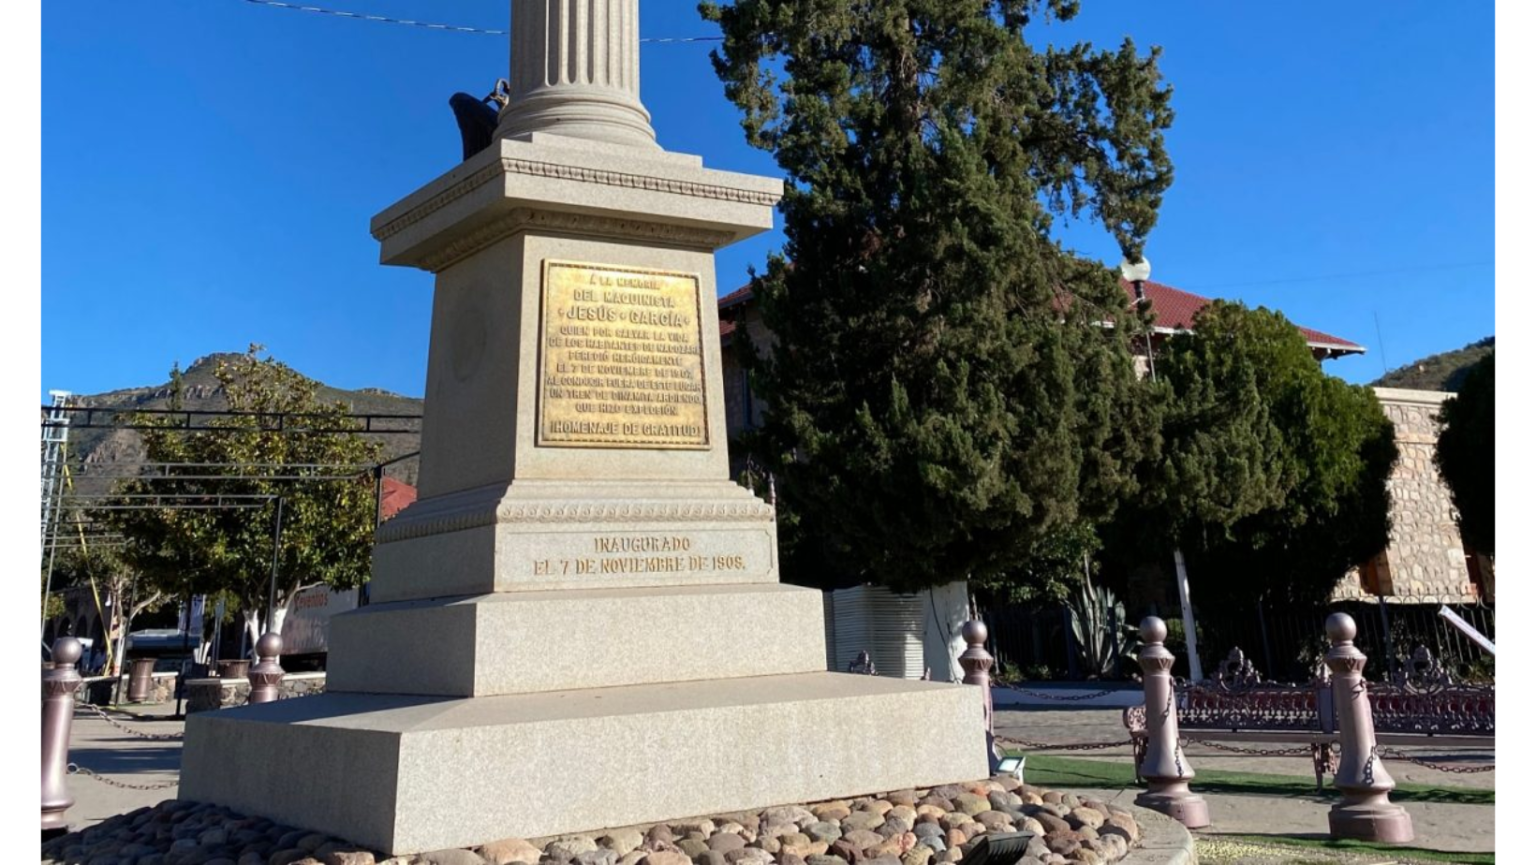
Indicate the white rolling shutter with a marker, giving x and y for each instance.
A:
(887, 625)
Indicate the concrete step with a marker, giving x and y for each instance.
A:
(408, 774)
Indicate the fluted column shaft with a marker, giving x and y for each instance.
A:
(576, 72)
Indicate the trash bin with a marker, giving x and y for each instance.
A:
(140, 683)
(234, 669)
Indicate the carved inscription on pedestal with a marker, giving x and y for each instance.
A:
(621, 359)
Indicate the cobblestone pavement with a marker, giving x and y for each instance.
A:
(102, 748)
(1437, 825)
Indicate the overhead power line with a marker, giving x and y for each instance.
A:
(1326, 277)
(447, 28)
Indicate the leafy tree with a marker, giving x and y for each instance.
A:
(949, 393)
(1464, 454)
(235, 471)
(1273, 474)
(114, 588)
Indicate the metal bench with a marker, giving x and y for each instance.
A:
(1422, 703)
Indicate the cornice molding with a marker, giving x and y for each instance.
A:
(556, 171)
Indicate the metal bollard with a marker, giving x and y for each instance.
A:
(1167, 771)
(140, 679)
(976, 661)
(59, 686)
(266, 677)
(1365, 813)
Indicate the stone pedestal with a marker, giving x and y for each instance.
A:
(401, 774)
(579, 624)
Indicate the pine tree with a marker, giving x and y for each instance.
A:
(1464, 455)
(949, 392)
(1273, 475)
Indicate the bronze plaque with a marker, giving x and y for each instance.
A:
(621, 359)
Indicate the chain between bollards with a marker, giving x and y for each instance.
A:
(77, 769)
(1057, 698)
(154, 737)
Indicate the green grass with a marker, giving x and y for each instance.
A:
(1407, 854)
(1050, 771)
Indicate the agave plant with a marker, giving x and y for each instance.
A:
(1104, 640)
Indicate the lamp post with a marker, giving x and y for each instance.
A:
(1137, 275)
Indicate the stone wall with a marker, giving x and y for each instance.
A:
(206, 695)
(1424, 560)
(101, 690)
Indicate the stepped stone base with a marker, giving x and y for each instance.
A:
(528, 642)
(410, 774)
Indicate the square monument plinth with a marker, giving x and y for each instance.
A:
(579, 623)
(403, 774)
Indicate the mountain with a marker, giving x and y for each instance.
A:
(1443, 371)
(98, 455)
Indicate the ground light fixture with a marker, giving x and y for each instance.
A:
(1012, 766)
(1004, 848)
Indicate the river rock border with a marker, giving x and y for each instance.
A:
(905, 827)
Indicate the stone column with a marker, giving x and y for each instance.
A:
(1167, 772)
(576, 72)
(1365, 812)
(59, 686)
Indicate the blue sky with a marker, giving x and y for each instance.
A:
(210, 167)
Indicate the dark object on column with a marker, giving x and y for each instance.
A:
(266, 677)
(862, 664)
(478, 118)
(1365, 814)
(59, 685)
(1167, 771)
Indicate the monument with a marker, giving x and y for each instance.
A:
(580, 623)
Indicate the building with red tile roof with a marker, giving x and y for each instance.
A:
(394, 496)
(1174, 310)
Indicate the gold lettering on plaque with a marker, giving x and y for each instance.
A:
(621, 359)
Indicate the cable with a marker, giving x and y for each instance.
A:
(1329, 276)
(449, 28)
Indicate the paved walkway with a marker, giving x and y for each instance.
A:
(120, 756)
(106, 749)
(1438, 825)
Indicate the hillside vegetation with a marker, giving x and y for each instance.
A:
(1444, 371)
(96, 456)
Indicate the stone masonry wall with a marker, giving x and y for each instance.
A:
(1424, 560)
(206, 695)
